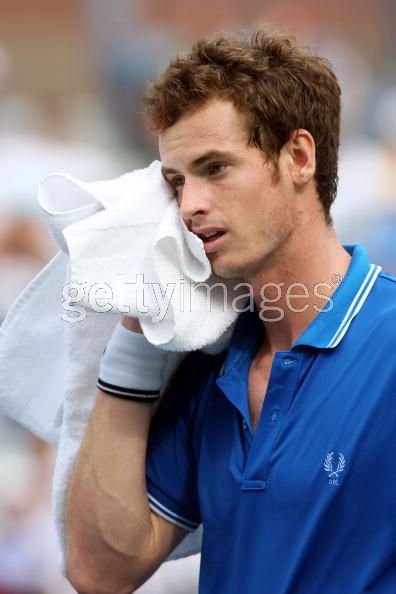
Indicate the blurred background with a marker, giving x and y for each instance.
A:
(71, 79)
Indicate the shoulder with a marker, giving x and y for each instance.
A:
(197, 368)
(192, 381)
(380, 313)
(388, 280)
(383, 294)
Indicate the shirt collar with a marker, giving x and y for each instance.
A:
(331, 324)
(325, 331)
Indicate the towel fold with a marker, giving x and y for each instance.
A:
(124, 249)
(139, 251)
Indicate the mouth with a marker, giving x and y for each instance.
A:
(209, 238)
(212, 239)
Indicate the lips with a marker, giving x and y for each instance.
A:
(212, 238)
(208, 234)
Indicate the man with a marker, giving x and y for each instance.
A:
(281, 446)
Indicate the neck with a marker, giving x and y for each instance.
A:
(311, 265)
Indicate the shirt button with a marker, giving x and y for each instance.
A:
(274, 416)
(288, 361)
(244, 424)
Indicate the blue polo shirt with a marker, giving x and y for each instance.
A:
(306, 504)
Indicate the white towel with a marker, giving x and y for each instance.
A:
(141, 232)
(112, 230)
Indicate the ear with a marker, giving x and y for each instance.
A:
(301, 156)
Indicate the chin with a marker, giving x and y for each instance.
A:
(227, 271)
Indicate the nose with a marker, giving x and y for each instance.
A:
(193, 200)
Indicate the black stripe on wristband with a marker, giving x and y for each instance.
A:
(128, 393)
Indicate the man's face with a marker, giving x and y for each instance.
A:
(225, 186)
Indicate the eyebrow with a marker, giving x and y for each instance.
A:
(209, 156)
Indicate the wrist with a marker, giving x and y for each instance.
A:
(131, 367)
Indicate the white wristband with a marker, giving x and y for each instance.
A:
(131, 367)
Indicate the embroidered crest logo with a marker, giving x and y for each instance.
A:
(329, 468)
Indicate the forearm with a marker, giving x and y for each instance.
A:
(107, 515)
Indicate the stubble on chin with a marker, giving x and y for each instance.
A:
(227, 272)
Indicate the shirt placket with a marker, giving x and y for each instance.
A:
(279, 395)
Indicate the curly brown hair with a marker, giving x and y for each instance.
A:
(278, 85)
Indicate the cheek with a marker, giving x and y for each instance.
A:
(257, 204)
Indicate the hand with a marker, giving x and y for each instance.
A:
(132, 324)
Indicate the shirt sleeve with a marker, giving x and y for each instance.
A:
(171, 465)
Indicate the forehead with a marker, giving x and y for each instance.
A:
(215, 126)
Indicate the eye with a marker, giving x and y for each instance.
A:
(217, 168)
(177, 181)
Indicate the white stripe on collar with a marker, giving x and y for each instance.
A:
(356, 304)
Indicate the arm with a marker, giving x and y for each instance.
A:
(114, 541)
